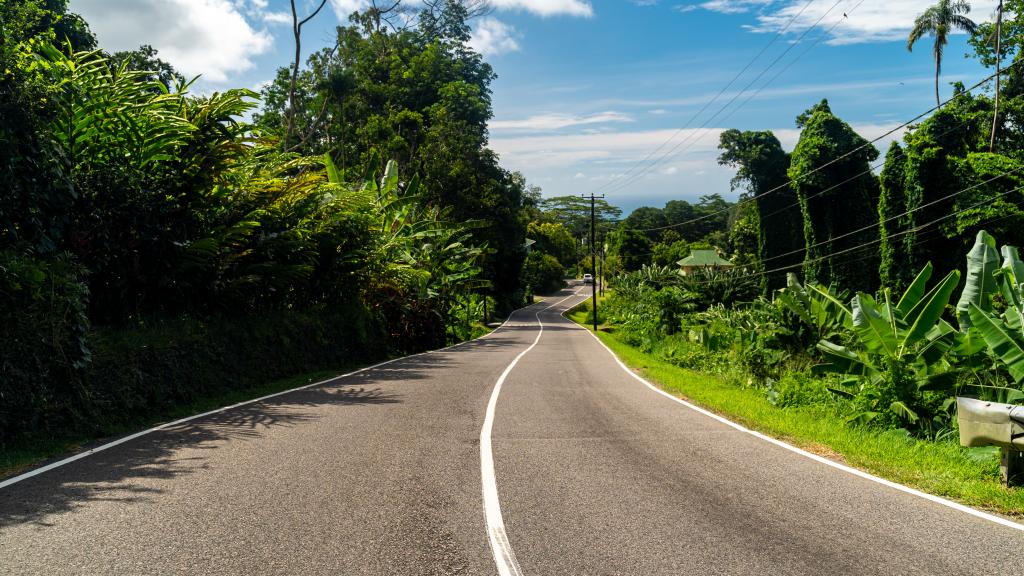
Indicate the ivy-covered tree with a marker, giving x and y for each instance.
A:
(761, 166)
(896, 269)
(838, 195)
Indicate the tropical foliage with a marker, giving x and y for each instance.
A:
(156, 246)
(882, 360)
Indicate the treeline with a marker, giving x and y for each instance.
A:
(664, 236)
(156, 247)
(837, 212)
(869, 289)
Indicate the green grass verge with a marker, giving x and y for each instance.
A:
(28, 452)
(941, 468)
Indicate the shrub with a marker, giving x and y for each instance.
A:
(543, 273)
(43, 338)
(796, 389)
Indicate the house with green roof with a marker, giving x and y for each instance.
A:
(703, 260)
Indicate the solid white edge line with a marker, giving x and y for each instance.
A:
(119, 441)
(820, 459)
(501, 548)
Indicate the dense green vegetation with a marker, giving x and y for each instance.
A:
(943, 468)
(867, 300)
(156, 248)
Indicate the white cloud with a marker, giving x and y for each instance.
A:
(208, 37)
(539, 7)
(623, 150)
(870, 21)
(343, 8)
(731, 6)
(277, 17)
(818, 90)
(570, 150)
(547, 7)
(556, 121)
(492, 36)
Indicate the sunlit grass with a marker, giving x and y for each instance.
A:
(940, 468)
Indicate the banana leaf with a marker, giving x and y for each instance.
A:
(930, 309)
(916, 291)
(332, 171)
(1004, 343)
(982, 261)
(875, 332)
(827, 304)
(1012, 263)
(842, 360)
(967, 343)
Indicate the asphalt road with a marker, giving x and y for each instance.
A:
(381, 473)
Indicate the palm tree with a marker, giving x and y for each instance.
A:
(940, 20)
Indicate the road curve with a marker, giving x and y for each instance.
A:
(380, 473)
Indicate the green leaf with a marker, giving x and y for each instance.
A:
(915, 291)
(903, 410)
(967, 343)
(1013, 264)
(842, 360)
(931, 309)
(794, 306)
(874, 331)
(389, 183)
(1004, 344)
(332, 171)
(982, 260)
(823, 298)
(839, 392)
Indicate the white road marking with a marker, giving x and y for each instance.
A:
(859, 473)
(504, 557)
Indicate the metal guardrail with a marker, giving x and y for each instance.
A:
(993, 424)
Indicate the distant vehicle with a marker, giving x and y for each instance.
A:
(588, 279)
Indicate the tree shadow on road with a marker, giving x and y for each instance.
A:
(124, 473)
(131, 472)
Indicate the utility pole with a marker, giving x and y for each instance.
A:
(593, 252)
(999, 37)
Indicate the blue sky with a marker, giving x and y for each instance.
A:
(589, 89)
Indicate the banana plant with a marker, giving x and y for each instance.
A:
(899, 352)
(982, 261)
(821, 308)
(1002, 333)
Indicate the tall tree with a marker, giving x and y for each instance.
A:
(940, 21)
(836, 198)
(761, 166)
(421, 97)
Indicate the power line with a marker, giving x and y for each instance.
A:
(778, 35)
(891, 218)
(902, 153)
(825, 165)
(692, 138)
(877, 240)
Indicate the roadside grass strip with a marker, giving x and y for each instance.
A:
(942, 469)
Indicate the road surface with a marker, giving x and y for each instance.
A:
(425, 466)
